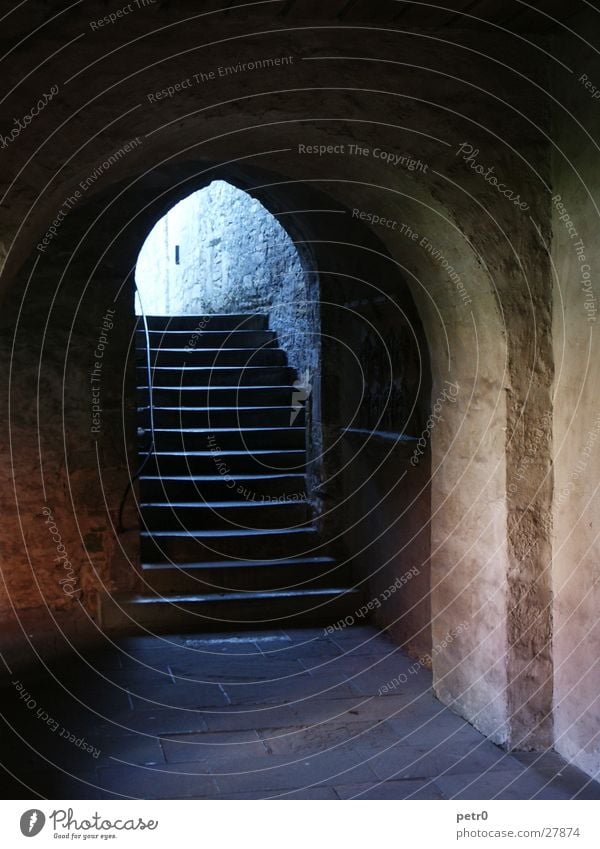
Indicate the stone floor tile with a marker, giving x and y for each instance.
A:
(310, 793)
(250, 716)
(303, 636)
(364, 639)
(299, 690)
(183, 694)
(310, 712)
(155, 722)
(241, 645)
(129, 749)
(220, 750)
(311, 650)
(140, 677)
(277, 773)
(401, 762)
(168, 781)
(335, 735)
(428, 723)
(150, 643)
(385, 665)
(499, 784)
(389, 790)
(227, 669)
(550, 764)
(149, 661)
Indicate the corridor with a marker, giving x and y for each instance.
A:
(294, 714)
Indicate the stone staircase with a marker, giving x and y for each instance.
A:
(228, 537)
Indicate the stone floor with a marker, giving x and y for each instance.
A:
(278, 715)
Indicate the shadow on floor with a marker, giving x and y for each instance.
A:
(278, 714)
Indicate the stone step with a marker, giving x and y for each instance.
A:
(218, 396)
(228, 576)
(226, 515)
(229, 439)
(222, 376)
(224, 463)
(239, 357)
(219, 417)
(186, 339)
(202, 323)
(195, 546)
(127, 612)
(227, 535)
(215, 487)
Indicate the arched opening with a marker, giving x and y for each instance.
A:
(218, 254)
(218, 251)
(228, 351)
(343, 263)
(375, 387)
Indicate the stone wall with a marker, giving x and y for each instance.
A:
(576, 259)
(233, 256)
(376, 395)
(71, 429)
(387, 538)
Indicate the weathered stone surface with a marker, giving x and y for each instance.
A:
(576, 460)
(219, 250)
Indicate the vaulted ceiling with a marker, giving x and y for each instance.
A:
(537, 16)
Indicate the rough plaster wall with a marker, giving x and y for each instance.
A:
(387, 539)
(469, 556)
(68, 479)
(376, 499)
(469, 545)
(576, 570)
(512, 378)
(233, 256)
(478, 449)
